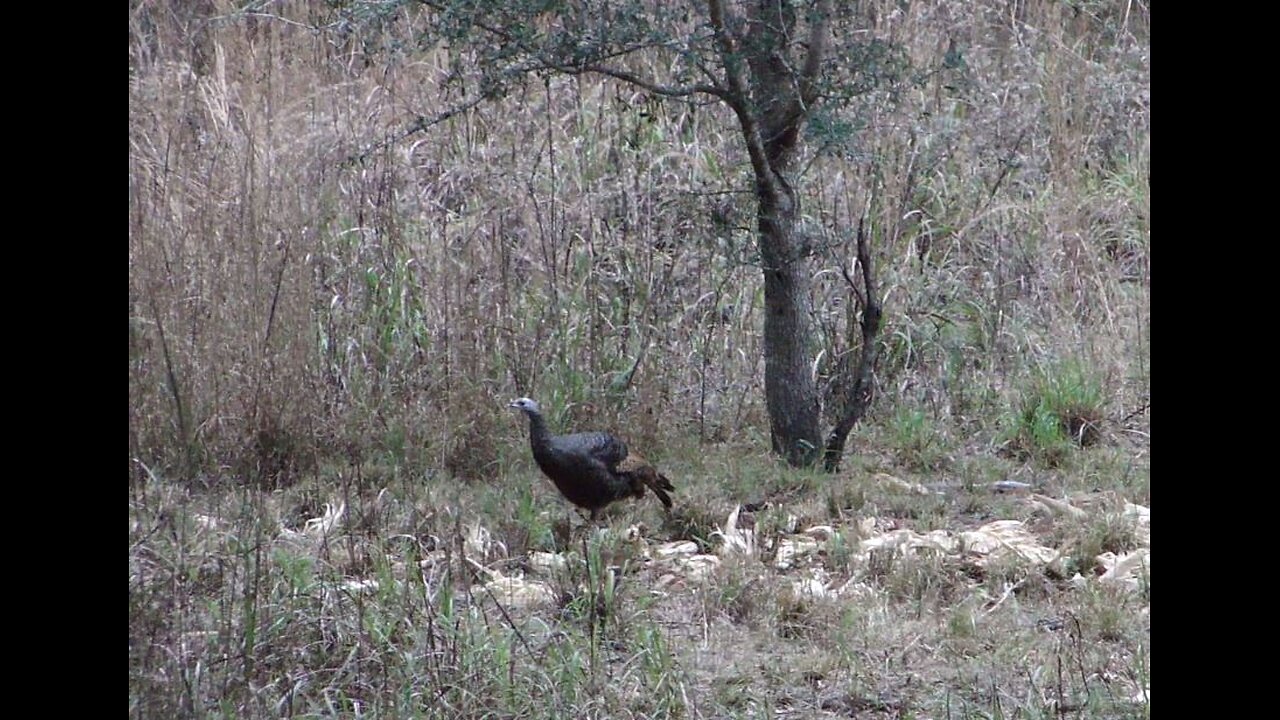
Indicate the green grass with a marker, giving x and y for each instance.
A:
(920, 446)
(1062, 408)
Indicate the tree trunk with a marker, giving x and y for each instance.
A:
(783, 92)
(791, 392)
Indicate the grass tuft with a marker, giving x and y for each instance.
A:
(1062, 408)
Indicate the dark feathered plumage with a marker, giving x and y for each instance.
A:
(592, 469)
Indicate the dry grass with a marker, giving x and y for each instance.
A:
(427, 600)
(320, 316)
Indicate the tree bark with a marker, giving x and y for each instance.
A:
(791, 392)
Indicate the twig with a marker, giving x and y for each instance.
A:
(1009, 589)
(507, 618)
(1146, 405)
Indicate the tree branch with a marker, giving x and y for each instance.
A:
(860, 395)
(737, 96)
(546, 62)
(653, 87)
(424, 122)
(819, 38)
(539, 60)
(420, 124)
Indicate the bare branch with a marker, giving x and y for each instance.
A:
(861, 393)
(819, 39)
(655, 88)
(707, 71)
(424, 122)
(853, 286)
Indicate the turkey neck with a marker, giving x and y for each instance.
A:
(539, 438)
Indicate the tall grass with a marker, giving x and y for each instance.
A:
(298, 285)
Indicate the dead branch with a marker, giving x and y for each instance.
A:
(860, 394)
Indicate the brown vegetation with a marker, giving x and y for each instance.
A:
(330, 306)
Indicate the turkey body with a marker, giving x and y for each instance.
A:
(593, 469)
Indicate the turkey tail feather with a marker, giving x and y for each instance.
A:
(660, 485)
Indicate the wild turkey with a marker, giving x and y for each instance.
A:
(592, 469)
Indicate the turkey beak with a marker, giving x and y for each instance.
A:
(513, 404)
